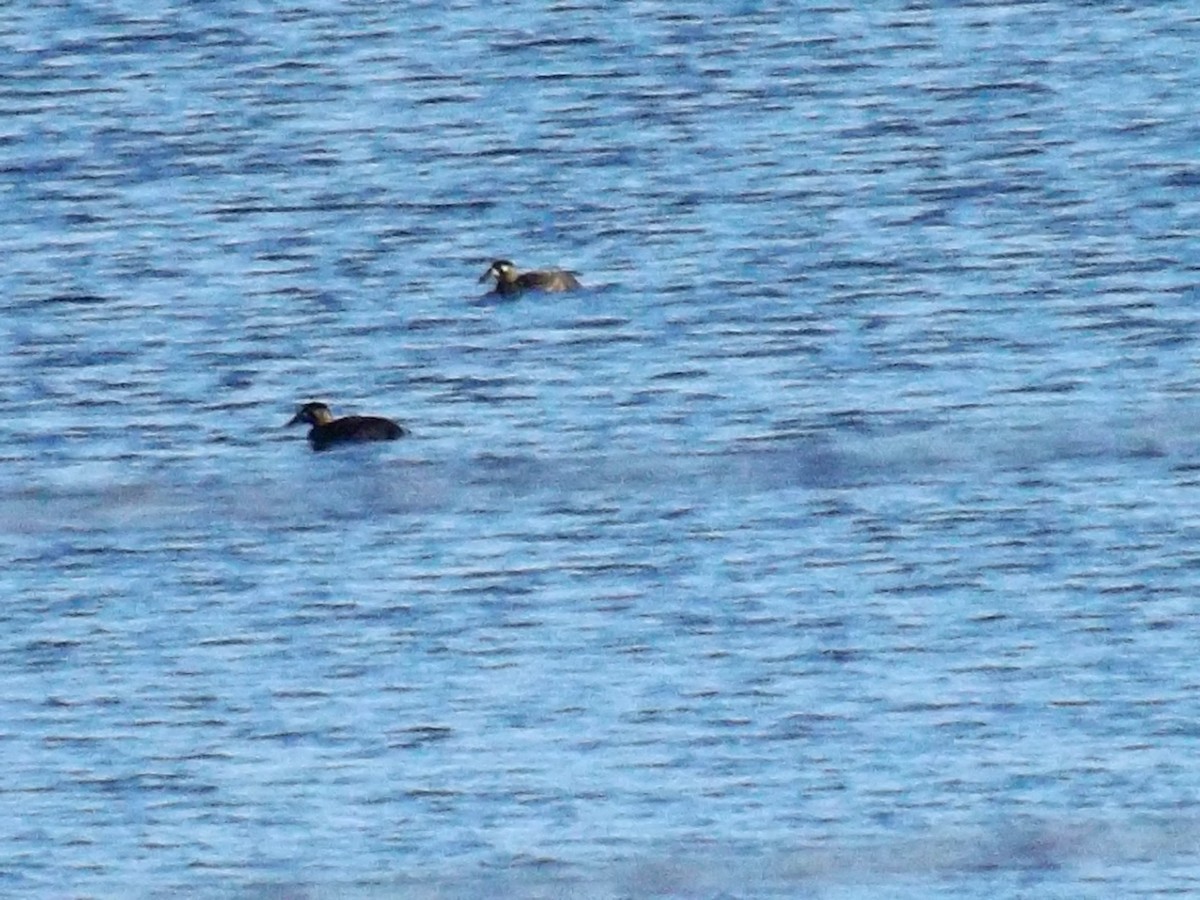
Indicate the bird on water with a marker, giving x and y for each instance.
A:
(327, 431)
(510, 282)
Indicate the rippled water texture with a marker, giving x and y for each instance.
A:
(836, 541)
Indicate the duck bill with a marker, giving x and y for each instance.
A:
(294, 420)
(490, 273)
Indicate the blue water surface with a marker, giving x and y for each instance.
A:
(837, 541)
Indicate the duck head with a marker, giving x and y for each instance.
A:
(502, 270)
(312, 414)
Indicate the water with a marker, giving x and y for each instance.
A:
(837, 541)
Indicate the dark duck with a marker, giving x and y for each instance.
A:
(328, 432)
(510, 282)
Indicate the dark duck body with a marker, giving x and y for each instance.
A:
(328, 432)
(509, 281)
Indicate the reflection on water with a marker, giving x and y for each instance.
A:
(835, 539)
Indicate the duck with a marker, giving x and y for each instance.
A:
(327, 431)
(510, 282)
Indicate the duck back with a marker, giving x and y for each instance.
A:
(549, 280)
(354, 429)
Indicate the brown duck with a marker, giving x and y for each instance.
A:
(327, 431)
(509, 281)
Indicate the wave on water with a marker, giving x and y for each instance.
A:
(1050, 853)
(357, 484)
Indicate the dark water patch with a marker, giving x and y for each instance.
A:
(1184, 178)
(80, 298)
(419, 736)
(894, 440)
